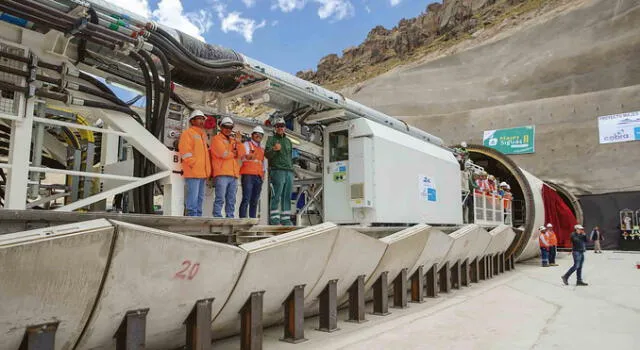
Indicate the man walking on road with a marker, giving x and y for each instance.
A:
(596, 237)
(552, 239)
(196, 165)
(579, 241)
(279, 153)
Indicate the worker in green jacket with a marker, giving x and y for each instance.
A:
(279, 153)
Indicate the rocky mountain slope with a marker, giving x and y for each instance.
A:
(441, 26)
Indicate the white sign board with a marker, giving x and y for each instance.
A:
(619, 127)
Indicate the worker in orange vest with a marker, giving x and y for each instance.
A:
(252, 172)
(544, 246)
(196, 165)
(553, 244)
(226, 169)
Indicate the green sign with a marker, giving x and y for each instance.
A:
(511, 141)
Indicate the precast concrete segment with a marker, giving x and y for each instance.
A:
(52, 274)
(403, 250)
(165, 272)
(353, 254)
(463, 240)
(276, 265)
(435, 250)
(498, 240)
(531, 248)
(479, 244)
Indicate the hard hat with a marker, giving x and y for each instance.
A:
(503, 184)
(226, 121)
(541, 228)
(196, 113)
(258, 129)
(463, 144)
(508, 187)
(549, 225)
(279, 121)
(578, 227)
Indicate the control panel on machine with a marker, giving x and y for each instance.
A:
(173, 125)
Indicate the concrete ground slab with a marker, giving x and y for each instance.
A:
(529, 308)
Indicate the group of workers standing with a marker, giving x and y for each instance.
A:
(229, 159)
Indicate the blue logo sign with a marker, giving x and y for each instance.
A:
(637, 132)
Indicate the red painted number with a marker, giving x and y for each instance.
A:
(189, 270)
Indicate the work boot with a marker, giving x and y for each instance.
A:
(565, 280)
(554, 264)
(581, 283)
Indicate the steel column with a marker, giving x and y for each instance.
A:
(496, 264)
(19, 146)
(482, 262)
(199, 326)
(464, 270)
(356, 301)
(474, 272)
(432, 281)
(131, 334)
(251, 323)
(40, 337)
(400, 290)
(417, 285)
(501, 262)
(444, 278)
(328, 317)
(456, 275)
(294, 316)
(381, 295)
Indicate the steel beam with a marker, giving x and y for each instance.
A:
(251, 322)
(294, 316)
(328, 317)
(131, 334)
(199, 326)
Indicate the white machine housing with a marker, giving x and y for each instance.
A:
(378, 175)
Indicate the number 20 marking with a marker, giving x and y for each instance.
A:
(189, 270)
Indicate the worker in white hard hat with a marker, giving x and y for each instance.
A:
(553, 244)
(279, 152)
(252, 172)
(196, 164)
(579, 246)
(544, 246)
(226, 168)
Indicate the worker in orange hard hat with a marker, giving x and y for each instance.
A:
(196, 165)
(252, 172)
(226, 169)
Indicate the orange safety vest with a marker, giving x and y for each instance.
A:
(194, 153)
(543, 240)
(224, 156)
(552, 239)
(253, 166)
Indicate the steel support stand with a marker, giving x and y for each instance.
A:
(496, 264)
(474, 271)
(464, 270)
(400, 290)
(502, 262)
(512, 262)
(456, 275)
(356, 301)
(199, 326)
(40, 337)
(251, 323)
(294, 316)
(482, 268)
(381, 295)
(131, 334)
(417, 285)
(329, 308)
(432, 281)
(444, 278)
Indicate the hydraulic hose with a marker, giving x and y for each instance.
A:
(155, 80)
(166, 70)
